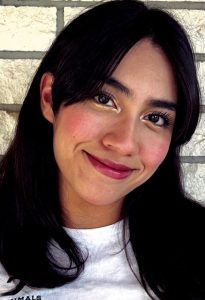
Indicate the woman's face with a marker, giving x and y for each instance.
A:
(109, 145)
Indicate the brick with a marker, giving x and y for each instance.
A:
(194, 181)
(71, 12)
(196, 147)
(201, 77)
(27, 28)
(15, 76)
(174, 0)
(88, 0)
(146, 0)
(194, 23)
(83, 0)
(7, 127)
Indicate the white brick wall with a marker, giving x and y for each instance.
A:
(201, 76)
(71, 12)
(7, 125)
(27, 30)
(194, 23)
(196, 147)
(194, 180)
(15, 75)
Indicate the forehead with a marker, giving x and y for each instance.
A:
(146, 68)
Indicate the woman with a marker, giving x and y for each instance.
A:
(91, 200)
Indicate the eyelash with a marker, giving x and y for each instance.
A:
(163, 115)
(107, 97)
(167, 121)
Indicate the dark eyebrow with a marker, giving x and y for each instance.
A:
(158, 103)
(119, 86)
(163, 104)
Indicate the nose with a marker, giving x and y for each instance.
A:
(123, 138)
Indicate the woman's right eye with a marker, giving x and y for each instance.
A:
(105, 99)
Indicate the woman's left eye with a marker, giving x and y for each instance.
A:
(105, 99)
(158, 118)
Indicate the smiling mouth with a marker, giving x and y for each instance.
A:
(109, 168)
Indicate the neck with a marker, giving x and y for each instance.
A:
(90, 216)
(78, 213)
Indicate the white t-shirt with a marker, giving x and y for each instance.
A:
(106, 276)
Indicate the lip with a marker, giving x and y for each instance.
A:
(110, 168)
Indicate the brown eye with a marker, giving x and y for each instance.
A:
(160, 119)
(105, 99)
(155, 119)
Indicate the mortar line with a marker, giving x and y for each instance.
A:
(59, 20)
(196, 5)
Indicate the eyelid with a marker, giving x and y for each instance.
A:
(168, 118)
(111, 98)
(104, 92)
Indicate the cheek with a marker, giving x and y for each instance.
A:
(77, 124)
(155, 154)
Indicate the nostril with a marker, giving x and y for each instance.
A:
(124, 144)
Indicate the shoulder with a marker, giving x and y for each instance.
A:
(5, 285)
(26, 293)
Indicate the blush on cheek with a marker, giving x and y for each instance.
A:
(157, 154)
(78, 123)
(82, 123)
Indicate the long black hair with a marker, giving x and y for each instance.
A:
(164, 225)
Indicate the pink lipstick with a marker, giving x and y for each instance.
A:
(109, 168)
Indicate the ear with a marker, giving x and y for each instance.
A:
(46, 96)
